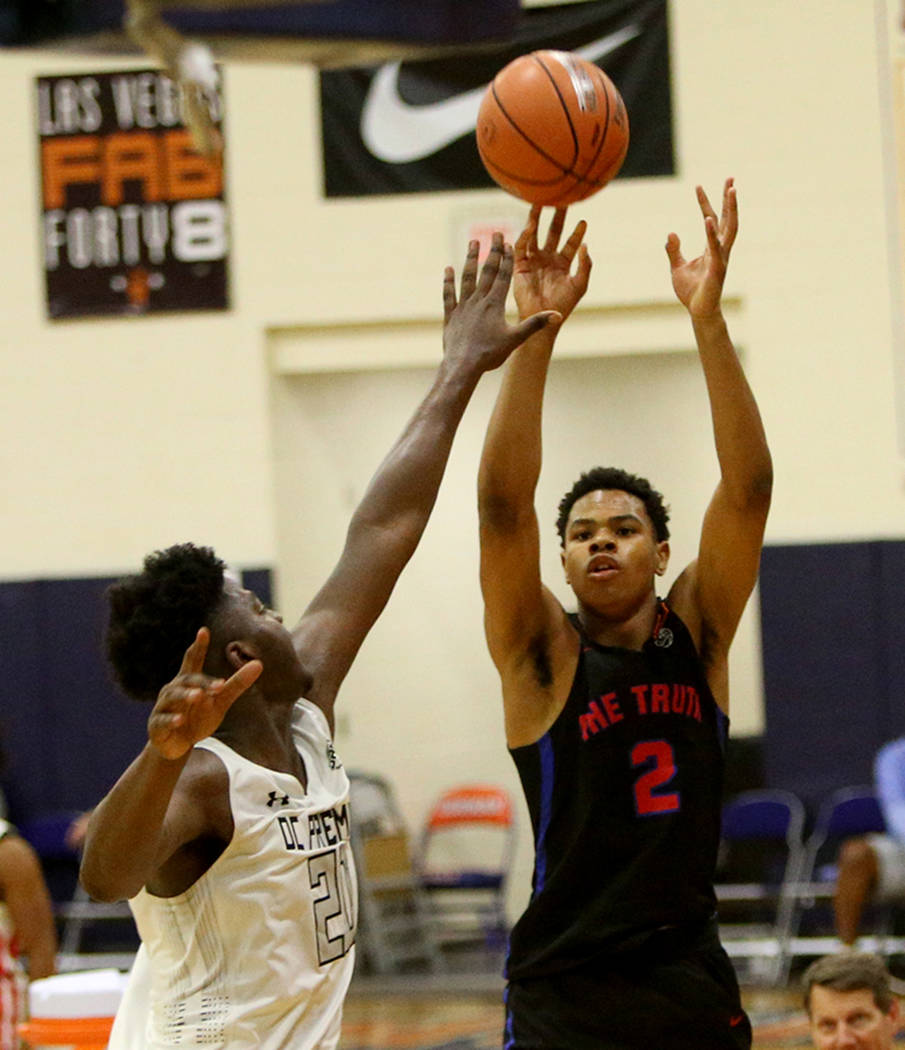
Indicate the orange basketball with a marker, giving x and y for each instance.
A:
(552, 128)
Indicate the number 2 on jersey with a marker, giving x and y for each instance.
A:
(334, 907)
(657, 757)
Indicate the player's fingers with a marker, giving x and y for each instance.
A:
(523, 241)
(165, 721)
(728, 191)
(555, 230)
(583, 272)
(673, 250)
(520, 332)
(187, 689)
(704, 202)
(193, 659)
(491, 264)
(470, 270)
(529, 234)
(713, 239)
(449, 292)
(574, 242)
(503, 275)
(235, 686)
(729, 217)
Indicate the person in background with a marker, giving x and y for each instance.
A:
(872, 867)
(28, 939)
(849, 1003)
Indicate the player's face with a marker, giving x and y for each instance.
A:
(261, 632)
(850, 1020)
(611, 553)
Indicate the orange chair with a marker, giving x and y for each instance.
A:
(87, 1033)
(464, 860)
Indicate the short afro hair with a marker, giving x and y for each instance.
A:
(155, 616)
(601, 478)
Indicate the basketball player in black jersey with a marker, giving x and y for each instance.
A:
(616, 716)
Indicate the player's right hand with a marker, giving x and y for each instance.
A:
(474, 324)
(543, 278)
(192, 705)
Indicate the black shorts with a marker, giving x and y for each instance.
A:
(679, 993)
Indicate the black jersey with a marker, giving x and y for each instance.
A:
(624, 792)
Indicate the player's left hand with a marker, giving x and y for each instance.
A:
(698, 283)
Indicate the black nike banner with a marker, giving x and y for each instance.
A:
(410, 127)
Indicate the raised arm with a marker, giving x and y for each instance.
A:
(711, 594)
(524, 624)
(160, 803)
(389, 521)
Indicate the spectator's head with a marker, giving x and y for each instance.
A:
(849, 1003)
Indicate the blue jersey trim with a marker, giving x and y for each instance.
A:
(547, 771)
(508, 1035)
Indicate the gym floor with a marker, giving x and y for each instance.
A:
(386, 1017)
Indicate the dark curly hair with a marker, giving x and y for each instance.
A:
(614, 478)
(155, 615)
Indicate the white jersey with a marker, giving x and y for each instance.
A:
(258, 953)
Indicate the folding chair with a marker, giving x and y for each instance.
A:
(761, 859)
(394, 930)
(848, 812)
(464, 861)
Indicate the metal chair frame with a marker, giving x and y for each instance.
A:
(768, 816)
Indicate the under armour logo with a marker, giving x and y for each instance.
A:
(272, 799)
(664, 638)
(331, 755)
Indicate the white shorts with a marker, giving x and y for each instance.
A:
(890, 867)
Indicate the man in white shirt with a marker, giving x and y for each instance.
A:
(872, 867)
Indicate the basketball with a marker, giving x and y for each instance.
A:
(552, 128)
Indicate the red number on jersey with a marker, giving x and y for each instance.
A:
(658, 756)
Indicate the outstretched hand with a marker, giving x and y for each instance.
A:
(543, 275)
(474, 324)
(698, 283)
(192, 706)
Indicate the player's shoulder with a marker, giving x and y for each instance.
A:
(203, 787)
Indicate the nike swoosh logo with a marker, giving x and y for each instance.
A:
(398, 133)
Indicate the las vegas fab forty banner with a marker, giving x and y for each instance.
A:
(408, 127)
(134, 219)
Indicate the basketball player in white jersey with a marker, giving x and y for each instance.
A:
(229, 833)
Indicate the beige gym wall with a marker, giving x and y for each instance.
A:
(121, 436)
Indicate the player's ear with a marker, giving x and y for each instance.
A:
(239, 652)
(562, 558)
(662, 559)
